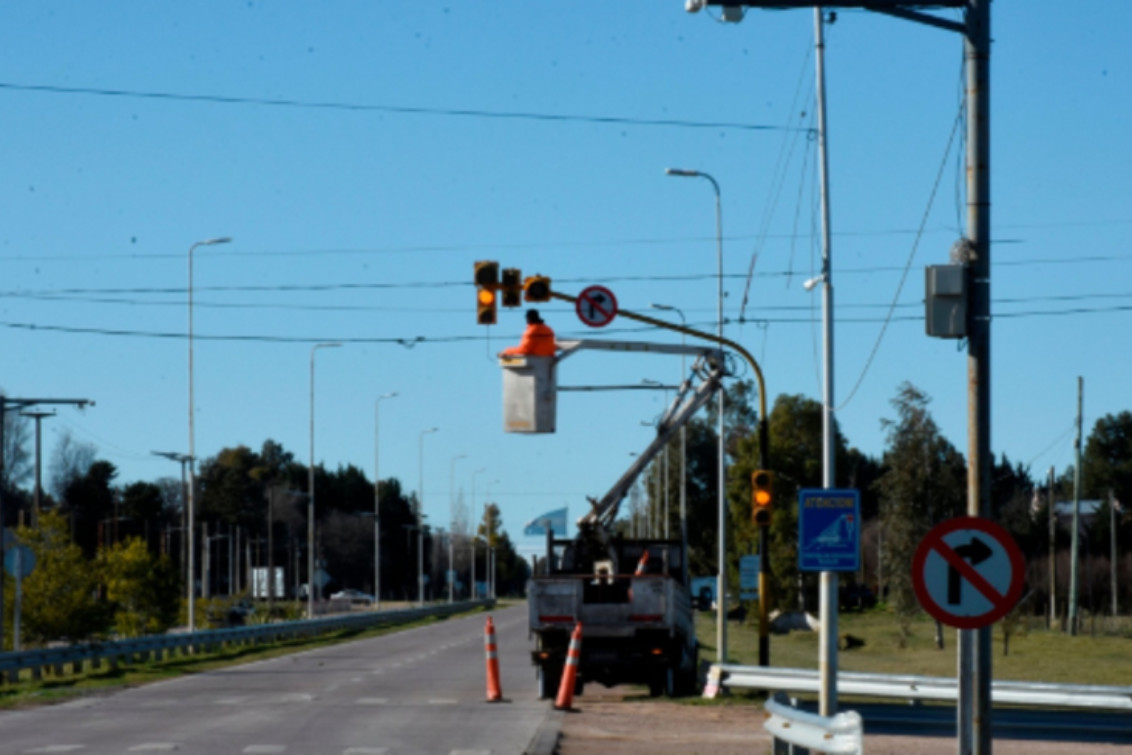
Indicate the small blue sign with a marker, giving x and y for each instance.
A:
(829, 530)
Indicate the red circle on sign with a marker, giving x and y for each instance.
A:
(1001, 603)
(596, 306)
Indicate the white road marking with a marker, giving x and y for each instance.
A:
(264, 749)
(470, 752)
(442, 701)
(365, 751)
(371, 701)
(53, 748)
(154, 747)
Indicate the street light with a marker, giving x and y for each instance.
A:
(472, 589)
(310, 489)
(489, 556)
(721, 615)
(376, 502)
(192, 439)
(452, 525)
(683, 440)
(420, 513)
(183, 459)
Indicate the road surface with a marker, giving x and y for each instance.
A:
(415, 691)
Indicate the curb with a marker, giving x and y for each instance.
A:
(545, 740)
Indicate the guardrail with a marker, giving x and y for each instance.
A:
(155, 647)
(909, 687)
(842, 733)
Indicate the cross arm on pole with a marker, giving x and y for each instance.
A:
(898, 8)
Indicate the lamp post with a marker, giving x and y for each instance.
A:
(472, 589)
(376, 502)
(192, 440)
(310, 489)
(420, 513)
(183, 459)
(452, 525)
(489, 575)
(721, 602)
(683, 440)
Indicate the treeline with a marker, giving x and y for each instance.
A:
(112, 558)
(919, 480)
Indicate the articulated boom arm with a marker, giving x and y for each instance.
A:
(708, 368)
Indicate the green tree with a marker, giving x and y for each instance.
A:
(1106, 462)
(143, 592)
(60, 596)
(924, 483)
(89, 500)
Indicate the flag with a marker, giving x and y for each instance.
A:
(555, 520)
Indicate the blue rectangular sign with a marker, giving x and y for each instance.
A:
(829, 530)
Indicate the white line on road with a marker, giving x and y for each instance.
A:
(154, 747)
(371, 701)
(53, 748)
(365, 751)
(264, 749)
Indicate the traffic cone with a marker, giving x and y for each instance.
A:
(494, 689)
(642, 564)
(570, 672)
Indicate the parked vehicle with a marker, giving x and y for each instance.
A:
(353, 596)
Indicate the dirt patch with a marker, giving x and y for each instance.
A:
(624, 720)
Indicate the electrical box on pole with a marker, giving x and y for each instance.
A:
(945, 301)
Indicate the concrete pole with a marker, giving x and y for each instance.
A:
(1052, 554)
(452, 526)
(827, 598)
(1074, 546)
(1112, 544)
(376, 501)
(311, 585)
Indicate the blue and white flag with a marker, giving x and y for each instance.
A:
(555, 520)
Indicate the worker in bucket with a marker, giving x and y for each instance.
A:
(537, 341)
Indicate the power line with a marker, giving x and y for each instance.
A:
(354, 107)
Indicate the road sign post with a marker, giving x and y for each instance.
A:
(829, 530)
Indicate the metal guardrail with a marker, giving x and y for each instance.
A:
(908, 687)
(154, 646)
(842, 733)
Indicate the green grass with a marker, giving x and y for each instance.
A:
(1100, 655)
(28, 692)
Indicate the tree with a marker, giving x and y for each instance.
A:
(924, 483)
(60, 596)
(143, 592)
(1106, 463)
(70, 460)
(90, 501)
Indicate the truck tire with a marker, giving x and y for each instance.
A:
(547, 684)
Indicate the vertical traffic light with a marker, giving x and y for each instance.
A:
(487, 282)
(512, 286)
(762, 496)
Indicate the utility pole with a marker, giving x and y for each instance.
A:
(1052, 554)
(8, 404)
(1112, 544)
(38, 417)
(1074, 545)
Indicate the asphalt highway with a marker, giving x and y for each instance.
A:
(413, 691)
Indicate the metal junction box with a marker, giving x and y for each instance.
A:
(530, 394)
(945, 300)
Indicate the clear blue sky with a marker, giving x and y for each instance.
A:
(364, 155)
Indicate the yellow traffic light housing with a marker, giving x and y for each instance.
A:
(487, 282)
(512, 286)
(536, 288)
(762, 496)
(485, 307)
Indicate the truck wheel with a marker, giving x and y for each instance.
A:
(671, 682)
(547, 684)
(657, 684)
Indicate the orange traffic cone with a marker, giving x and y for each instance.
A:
(494, 689)
(642, 564)
(570, 672)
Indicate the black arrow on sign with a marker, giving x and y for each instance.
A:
(976, 552)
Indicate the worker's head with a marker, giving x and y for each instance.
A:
(533, 317)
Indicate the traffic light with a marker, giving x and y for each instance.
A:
(487, 281)
(762, 496)
(536, 288)
(512, 286)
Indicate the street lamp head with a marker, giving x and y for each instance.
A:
(681, 172)
(812, 282)
(662, 307)
(217, 240)
(387, 395)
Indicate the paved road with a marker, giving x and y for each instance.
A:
(415, 691)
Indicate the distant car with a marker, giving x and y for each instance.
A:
(353, 596)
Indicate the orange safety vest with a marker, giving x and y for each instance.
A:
(537, 341)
